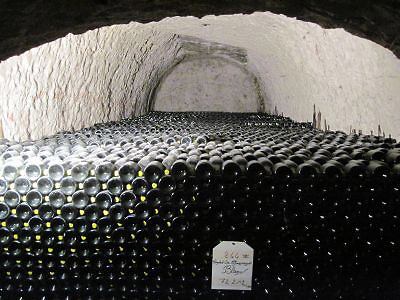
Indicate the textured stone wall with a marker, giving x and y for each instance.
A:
(207, 84)
(102, 75)
(74, 82)
(352, 81)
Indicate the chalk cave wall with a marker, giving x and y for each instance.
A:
(79, 80)
(110, 73)
(208, 84)
(353, 82)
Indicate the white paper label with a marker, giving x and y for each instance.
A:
(232, 266)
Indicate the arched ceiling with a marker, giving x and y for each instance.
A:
(25, 24)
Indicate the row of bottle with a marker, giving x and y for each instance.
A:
(230, 167)
(152, 196)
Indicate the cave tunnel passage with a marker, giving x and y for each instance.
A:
(208, 84)
(120, 71)
(101, 196)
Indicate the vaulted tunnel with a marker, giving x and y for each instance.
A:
(162, 204)
(282, 64)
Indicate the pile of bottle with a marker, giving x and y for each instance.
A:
(134, 208)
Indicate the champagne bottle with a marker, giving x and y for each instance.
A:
(115, 186)
(128, 171)
(135, 207)
(22, 185)
(24, 212)
(140, 186)
(57, 199)
(91, 186)
(68, 186)
(4, 211)
(45, 185)
(104, 200)
(153, 171)
(128, 199)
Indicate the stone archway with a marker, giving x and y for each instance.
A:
(207, 84)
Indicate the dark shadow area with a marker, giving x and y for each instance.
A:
(27, 24)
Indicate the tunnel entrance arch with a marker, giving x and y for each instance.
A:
(207, 84)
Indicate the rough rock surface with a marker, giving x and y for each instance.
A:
(113, 72)
(209, 76)
(105, 74)
(73, 82)
(207, 84)
(352, 81)
(25, 23)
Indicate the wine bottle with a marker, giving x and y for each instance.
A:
(128, 171)
(140, 186)
(115, 186)
(204, 171)
(12, 199)
(56, 172)
(129, 199)
(57, 199)
(24, 212)
(22, 185)
(68, 186)
(91, 186)
(80, 172)
(153, 171)
(104, 200)
(45, 185)
(4, 211)
(231, 171)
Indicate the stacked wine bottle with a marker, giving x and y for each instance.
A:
(132, 209)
